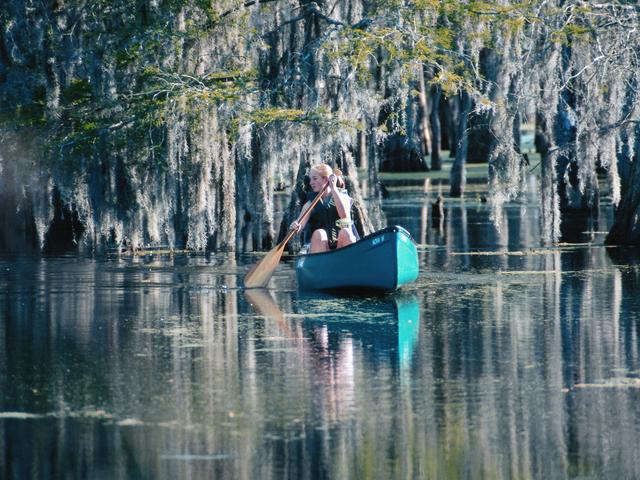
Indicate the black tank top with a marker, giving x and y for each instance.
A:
(324, 215)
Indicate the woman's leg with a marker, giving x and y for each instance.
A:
(345, 237)
(319, 241)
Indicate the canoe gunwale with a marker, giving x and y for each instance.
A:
(391, 229)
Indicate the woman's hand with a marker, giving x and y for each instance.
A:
(295, 226)
(340, 199)
(333, 179)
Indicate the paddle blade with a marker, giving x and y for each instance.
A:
(262, 302)
(260, 274)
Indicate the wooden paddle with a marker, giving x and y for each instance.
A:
(261, 272)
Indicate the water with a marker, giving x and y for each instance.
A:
(504, 360)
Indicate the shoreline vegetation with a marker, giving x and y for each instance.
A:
(431, 184)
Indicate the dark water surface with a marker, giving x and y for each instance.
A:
(504, 360)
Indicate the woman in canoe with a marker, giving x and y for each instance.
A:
(329, 223)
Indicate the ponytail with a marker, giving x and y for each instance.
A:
(339, 180)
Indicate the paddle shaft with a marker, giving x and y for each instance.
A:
(261, 272)
(304, 215)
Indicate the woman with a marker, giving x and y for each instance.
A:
(330, 221)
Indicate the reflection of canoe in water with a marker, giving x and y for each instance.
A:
(384, 324)
(383, 261)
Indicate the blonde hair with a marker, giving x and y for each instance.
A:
(325, 170)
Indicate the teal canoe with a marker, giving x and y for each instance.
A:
(382, 261)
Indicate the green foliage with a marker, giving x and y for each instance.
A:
(29, 115)
(152, 62)
(451, 83)
(26, 113)
(425, 35)
(265, 116)
(78, 92)
(208, 90)
(571, 33)
(357, 47)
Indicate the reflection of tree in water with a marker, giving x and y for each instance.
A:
(99, 353)
(513, 356)
(526, 372)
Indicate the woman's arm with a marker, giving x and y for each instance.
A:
(342, 201)
(296, 223)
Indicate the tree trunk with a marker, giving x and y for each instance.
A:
(425, 130)
(362, 159)
(436, 133)
(363, 217)
(451, 115)
(480, 136)
(550, 203)
(626, 227)
(255, 191)
(458, 170)
(401, 151)
(297, 200)
(18, 232)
